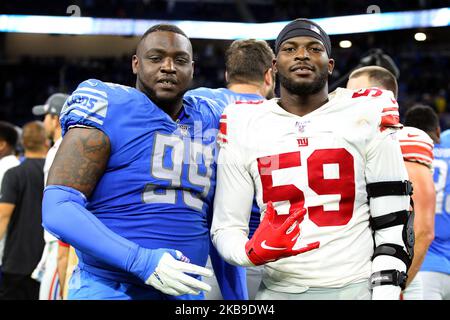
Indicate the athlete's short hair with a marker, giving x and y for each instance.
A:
(422, 117)
(161, 27)
(379, 76)
(8, 133)
(246, 61)
(164, 27)
(33, 136)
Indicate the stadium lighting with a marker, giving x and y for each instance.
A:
(345, 44)
(420, 36)
(222, 30)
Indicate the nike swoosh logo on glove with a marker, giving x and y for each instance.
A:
(265, 246)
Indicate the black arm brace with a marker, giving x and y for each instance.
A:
(404, 217)
(387, 277)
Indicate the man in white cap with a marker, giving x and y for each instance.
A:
(46, 271)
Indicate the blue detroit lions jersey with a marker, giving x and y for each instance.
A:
(224, 97)
(438, 255)
(158, 186)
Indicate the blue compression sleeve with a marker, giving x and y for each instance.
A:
(64, 207)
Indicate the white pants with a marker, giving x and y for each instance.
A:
(436, 285)
(254, 279)
(414, 291)
(354, 291)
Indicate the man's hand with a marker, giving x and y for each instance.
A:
(169, 275)
(270, 243)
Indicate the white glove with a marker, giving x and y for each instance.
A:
(169, 276)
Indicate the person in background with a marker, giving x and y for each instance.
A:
(46, 271)
(434, 272)
(8, 141)
(417, 150)
(21, 219)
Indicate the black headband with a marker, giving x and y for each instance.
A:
(303, 28)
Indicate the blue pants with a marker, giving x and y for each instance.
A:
(84, 285)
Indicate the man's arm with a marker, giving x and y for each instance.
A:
(8, 199)
(81, 160)
(6, 211)
(424, 198)
(389, 215)
(72, 262)
(232, 207)
(78, 165)
(62, 260)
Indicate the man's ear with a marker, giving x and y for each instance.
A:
(274, 65)
(55, 119)
(269, 77)
(330, 66)
(135, 63)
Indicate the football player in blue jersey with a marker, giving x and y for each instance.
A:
(435, 270)
(250, 79)
(133, 181)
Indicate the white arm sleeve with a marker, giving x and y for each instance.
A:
(232, 202)
(385, 163)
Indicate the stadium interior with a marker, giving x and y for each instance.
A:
(34, 65)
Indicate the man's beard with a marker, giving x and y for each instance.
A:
(162, 102)
(304, 89)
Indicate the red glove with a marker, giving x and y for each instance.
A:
(270, 243)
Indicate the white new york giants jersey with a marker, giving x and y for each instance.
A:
(417, 146)
(321, 161)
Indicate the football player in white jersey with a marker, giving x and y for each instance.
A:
(417, 150)
(324, 169)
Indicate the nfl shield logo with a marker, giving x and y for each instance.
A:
(184, 129)
(301, 125)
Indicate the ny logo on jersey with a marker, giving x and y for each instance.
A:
(302, 142)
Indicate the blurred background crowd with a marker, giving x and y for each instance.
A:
(33, 66)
